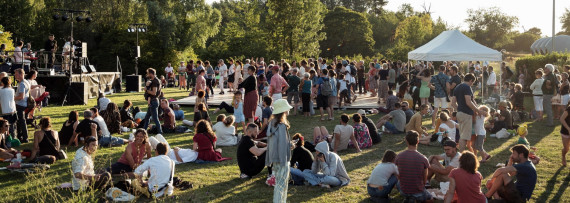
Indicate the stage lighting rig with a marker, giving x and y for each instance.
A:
(137, 27)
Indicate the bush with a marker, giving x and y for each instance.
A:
(530, 64)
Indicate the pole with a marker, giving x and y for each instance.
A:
(553, 20)
(137, 54)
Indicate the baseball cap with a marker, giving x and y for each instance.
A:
(450, 143)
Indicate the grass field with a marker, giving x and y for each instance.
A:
(220, 182)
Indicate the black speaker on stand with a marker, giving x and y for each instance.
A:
(78, 93)
(133, 83)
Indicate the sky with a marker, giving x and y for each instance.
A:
(531, 13)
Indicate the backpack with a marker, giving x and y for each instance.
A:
(352, 70)
(326, 88)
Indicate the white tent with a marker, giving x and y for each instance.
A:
(452, 45)
(544, 45)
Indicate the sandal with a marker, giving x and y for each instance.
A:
(486, 158)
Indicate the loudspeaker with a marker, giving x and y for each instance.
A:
(78, 94)
(79, 70)
(133, 83)
(91, 69)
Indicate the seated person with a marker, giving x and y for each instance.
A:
(46, 143)
(415, 123)
(127, 119)
(200, 99)
(361, 132)
(68, 129)
(412, 167)
(5, 151)
(372, 129)
(169, 125)
(177, 154)
(327, 169)
(450, 159)
(301, 159)
(202, 114)
(86, 128)
(465, 181)
(448, 127)
(384, 177)
(112, 118)
(342, 134)
(133, 155)
(229, 108)
(102, 102)
(502, 119)
(84, 176)
(225, 131)
(409, 112)
(105, 138)
(178, 113)
(502, 185)
(266, 112)
(205, 143)
(161, 170)
(390, 101)
(250, 153)
(398, 118)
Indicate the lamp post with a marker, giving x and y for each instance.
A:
(137, 27)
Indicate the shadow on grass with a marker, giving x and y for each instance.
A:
(549, 188)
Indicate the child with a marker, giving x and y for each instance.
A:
(480, 131)
(265, 89)
(523, 132)
(447, 127)
(200, 99)
(342, 84)
(518, 98)
(163, 81)
(237, 103)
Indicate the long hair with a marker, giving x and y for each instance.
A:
(280, 118)
(468, 162)
(73, 116)
(203, 126)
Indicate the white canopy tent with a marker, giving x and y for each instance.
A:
(544, 45)
(452, 45)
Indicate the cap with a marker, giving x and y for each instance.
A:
(361, 112)
(275, 68)
(450, 143)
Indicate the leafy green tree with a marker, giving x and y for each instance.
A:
(383, 29)
(6, 38)
(414, 30)
(565, 20)
(490, 27)
(348, 33)
(294, 27)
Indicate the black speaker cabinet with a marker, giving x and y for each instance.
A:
(133, 83)
(78, 94)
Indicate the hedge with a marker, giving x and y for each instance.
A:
(533, 63)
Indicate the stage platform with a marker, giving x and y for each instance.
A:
(364, 101)
(99, 81)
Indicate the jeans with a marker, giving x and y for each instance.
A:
(421, 196)
(109, 141)
(152, 111)
(316, 179)
(361, 85)
(281, 173)
(22, 127)
(297, 176)
(390, 127)
(375, 192)
(209, 83)
(547, 102)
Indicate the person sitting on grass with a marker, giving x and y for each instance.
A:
(133, 155)
(415, 123)
(168, 118)
(178, 113)
(112, 118)
(200, 99)
(413, 169)
(161, 168)
(465, 181)
(105, 138)
(84, 176)
(5, 151)
(301, 159)
(361, 132)
(505, 119)
(46, 143)
(502, 185)
(343, 133)
(391, 100)
(398, 117)
(372, 129)
(225, 131)
(383, 178)
(447, 127)
(102, 102)
(202, 114)
(178, 155)
(450, 159)
(68, 128)
(409, 112)
(327, 169)
(205, 143)
(250, 153)
(127, 119)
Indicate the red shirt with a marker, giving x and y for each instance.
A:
(277, 83)
(412, 167)
(206, 150)
(467, 186)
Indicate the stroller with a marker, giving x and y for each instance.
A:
(41, 97)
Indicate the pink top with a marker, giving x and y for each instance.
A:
(467, 186)
(200, 83)
(137, 155)
(277, 83)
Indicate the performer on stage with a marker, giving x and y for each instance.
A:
(67, 54)
(50, 47)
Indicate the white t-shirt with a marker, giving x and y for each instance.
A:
(479, 125)
(232, 69)
(245, 71)
(492, 79)
(169, 69)
(342, 85)
(451, 161)
(7, 102)
(349, 78)
(225, 134)
(382, 173)
(187, 155)
(345, 131)
(450, 130)
(66, 48)
(103, 103)
(101, 122)
(82, 163)
(223, 70)
(161, 169)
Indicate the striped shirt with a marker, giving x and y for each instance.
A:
(411, 166)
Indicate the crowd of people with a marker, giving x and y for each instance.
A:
(263, 96)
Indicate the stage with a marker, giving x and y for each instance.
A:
(364, 101)
(57, 85)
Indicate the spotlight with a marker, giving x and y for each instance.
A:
(79, 18)
(56, 17)
(88, 19)
(143, 29)
(65, 17)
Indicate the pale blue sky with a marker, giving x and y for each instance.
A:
(531, 13)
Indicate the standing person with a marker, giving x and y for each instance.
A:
(453, 81)
(305, 87)
(372, 77)
(413, 170)
(391, 77)
(251, 95)
(210, 77)
(334, 95)
(549, 88)
(279, 149)
(565, 133)
(201, 83)
(190, 75)
(293, 90)
(360, 75)
(465, 181)
(383, 83)
(50, 47)
(383, 178)
(536, 88)
(441, 96)
(84, 176)
(67, 52)
(152, 91)
(21, 99)
(7, 103)
(491, 81)
(466, 108)
(231, 75)
(237, 103)
(182, 73)
(237, 74)
(277, 84)
(223, 72)
(169, 71)
(503, 185)
(323, 92)
(425, 77)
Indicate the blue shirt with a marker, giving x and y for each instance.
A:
(333, 86)
(526, 178)
(460, 91)
(439, 81)
(178, 114)
(23, 88)
(320, 82)
(307, 86)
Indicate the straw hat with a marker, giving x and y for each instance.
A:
(280, 106)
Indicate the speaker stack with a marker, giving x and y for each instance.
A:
(133, 83)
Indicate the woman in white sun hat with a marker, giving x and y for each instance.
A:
(279, 148)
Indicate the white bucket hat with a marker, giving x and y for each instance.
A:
(280, 106)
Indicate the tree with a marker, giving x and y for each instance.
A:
(294, 27)
(565, 20)
(383, 29)
(348, 33)
(490, 27)
(6, 38)
(414, 30)
(376, 7)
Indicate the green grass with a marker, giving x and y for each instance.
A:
(219, 182)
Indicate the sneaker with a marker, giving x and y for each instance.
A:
(354, 98)
(244, 176)
(188, 131)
